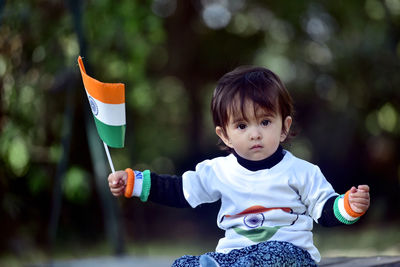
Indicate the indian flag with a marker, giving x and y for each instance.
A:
(107, 101)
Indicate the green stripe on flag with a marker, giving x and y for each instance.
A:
(113, 136)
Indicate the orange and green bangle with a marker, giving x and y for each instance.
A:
(343, 211)
(130, 183)
(338, 209)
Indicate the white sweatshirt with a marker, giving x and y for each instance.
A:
(271, 204)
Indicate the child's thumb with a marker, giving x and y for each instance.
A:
(119, 177)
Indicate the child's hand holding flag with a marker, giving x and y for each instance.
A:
(107, 101)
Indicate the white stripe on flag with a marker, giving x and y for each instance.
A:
(110, 114)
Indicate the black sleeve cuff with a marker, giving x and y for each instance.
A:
(328, 217)
(167, 190)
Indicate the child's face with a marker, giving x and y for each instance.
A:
(256, 138)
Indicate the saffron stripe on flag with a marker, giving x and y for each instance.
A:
(111, 114)
(110, 93)
(113, 136)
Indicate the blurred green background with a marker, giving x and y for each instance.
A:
(339, 60)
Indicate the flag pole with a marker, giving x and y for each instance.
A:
(109, 158)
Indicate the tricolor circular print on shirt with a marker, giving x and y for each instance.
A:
(254, 219)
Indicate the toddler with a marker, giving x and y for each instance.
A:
(269, 197)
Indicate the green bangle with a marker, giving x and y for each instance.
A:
(338, 215)
(146, 186)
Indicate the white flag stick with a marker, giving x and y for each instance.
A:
(109, 158)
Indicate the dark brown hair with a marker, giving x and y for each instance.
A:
(257, 84)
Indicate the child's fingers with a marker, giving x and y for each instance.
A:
(360, 204)
(360, 208)
(360, 193)
(353, 189)
(117, 178)
(112, 178)
(359, 200)
(364, 188)
(359, 196)
(117, 191)
(116, 182)
(115, 186)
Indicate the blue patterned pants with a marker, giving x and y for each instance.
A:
(270, 253)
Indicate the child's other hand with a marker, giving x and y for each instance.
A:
(359, 198)
(117, 182)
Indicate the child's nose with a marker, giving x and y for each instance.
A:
(255, 134)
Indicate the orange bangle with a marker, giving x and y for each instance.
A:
(130, 183)
(348, 208)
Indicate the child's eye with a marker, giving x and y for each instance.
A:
(265, 122)
(241, 126)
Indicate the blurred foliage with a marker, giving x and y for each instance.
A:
(76, 185)
(340, 61)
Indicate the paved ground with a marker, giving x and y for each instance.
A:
(124, 261)
(160, 262)
(361, 262)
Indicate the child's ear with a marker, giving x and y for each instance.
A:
(286, 127)
(224, 137)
